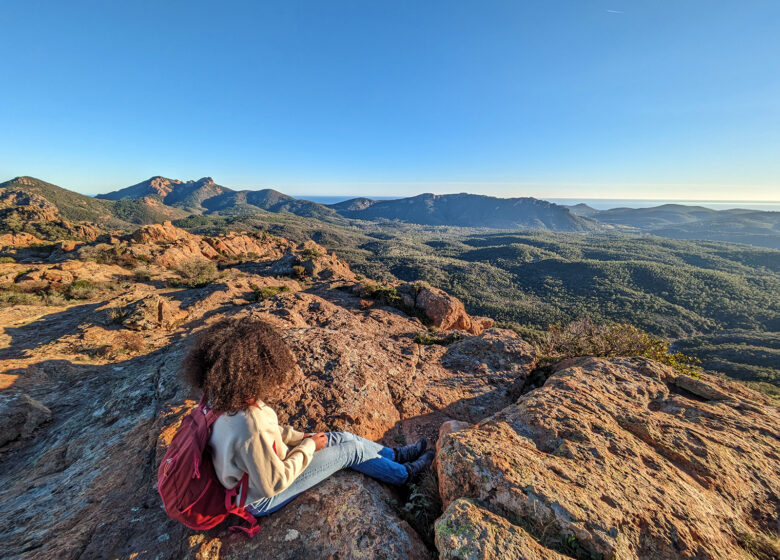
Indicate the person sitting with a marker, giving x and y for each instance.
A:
(242, 365)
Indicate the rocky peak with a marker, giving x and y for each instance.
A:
(161, 186)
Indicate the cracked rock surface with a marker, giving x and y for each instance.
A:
(623, 458)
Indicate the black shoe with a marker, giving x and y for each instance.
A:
(421, 464)
(409, 453)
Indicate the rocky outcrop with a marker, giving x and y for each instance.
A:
(624, 458)
(347, 516)
(467, 531)
(20, 415)
(116, 399)
(350, 357)
(27, 206)
(161, 234)
(171, 247)
(14, 240)
(443, 310)
(24, 209)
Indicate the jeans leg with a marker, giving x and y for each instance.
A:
(324, 463)
(371, 458)
(343, 450)
(337, 438)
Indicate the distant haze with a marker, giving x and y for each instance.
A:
(597, 203)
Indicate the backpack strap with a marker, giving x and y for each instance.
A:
(239, 508)
(211, 416)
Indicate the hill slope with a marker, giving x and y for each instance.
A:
(204, 196)
(467, 210)
(71, 205)
(108, 214)
(680, 221)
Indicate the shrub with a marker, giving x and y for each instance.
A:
(387, 294)
(423, 506)
(298, 271)
(383, 293)
(9, 298)
(763, 546)
(109, 254)
(196, 274)
(429, 337)
(142, 274)
(586, 338)
(311, 254)
(81, 289)
(259, 294)
(5, 260)
(117, 315)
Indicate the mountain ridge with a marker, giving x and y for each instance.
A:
(160, 198)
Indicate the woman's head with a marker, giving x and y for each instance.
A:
(237, 361)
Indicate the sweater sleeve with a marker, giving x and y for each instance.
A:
(292, 437)
(267, 472)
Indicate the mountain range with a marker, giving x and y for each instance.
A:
(160, 198)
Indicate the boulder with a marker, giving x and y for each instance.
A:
(445, 429)
(445, 311)
(611, 458)
(20, 415)
(284, 265)
(467, 531)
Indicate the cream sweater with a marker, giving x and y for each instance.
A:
(251, 441)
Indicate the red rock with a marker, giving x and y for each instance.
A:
(611, 455)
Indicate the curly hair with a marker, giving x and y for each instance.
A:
(238, 360)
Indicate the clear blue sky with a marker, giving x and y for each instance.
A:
(576, 98)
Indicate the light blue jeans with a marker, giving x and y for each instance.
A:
(343, 450)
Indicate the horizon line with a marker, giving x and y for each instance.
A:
(293, 191)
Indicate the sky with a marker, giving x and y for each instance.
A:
(578, 99)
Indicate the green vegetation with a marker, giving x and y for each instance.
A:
(82, 289)
(198, 273)
(746, 355)
(311, 254)
(423, 506)
(39, 292)
(139, 212)
(298, 271)
(528, 280)
(585, 338)
(431, 336)
(383, 293)
(259, 294)
(109, 254)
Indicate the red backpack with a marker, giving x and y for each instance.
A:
(188, 484)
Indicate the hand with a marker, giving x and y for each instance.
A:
(320, 440)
